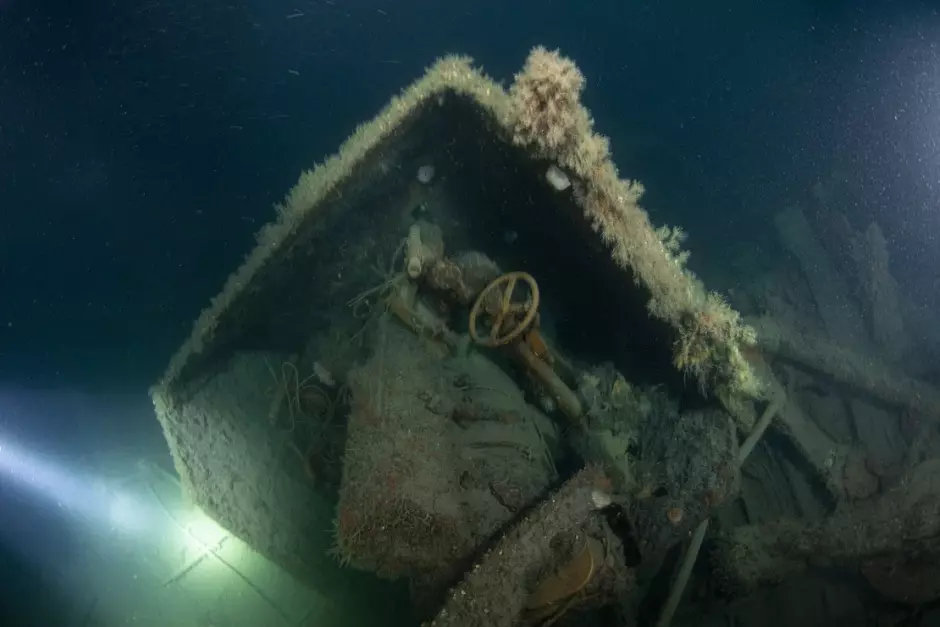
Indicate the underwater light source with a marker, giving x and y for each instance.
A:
(82, 495)
(133, 509)
(98, 501)
(42, 477)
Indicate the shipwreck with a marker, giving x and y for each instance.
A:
(462, 373)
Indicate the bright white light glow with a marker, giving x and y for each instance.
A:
(203, 532)
(126, 514)
(47, 479)
(83, 495)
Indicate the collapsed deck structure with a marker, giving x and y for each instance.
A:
(463, 342)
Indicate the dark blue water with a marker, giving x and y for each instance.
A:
(143, 142)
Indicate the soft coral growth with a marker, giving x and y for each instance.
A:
(546, 102)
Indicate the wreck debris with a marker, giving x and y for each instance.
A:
(905, 520)
(565, 399)
(507, 317)
(685, 460)
(420, 491)
(870, 253)
(514, 323)
(495, 591)
(545, 115)
(698, 536)
(682, 579)
(423, 246)
(823, 454)
(432, 468)
(463, 277)
(557, 592)
(770, 412)
(847, 366)
(837, 308)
